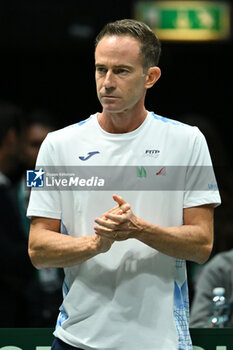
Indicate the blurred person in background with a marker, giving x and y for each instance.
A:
(216, 273)
(44, 290)
(38, 123)
(16, 268)
(11, 128)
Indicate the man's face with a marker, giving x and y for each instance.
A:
(35, 135)
(120, 80)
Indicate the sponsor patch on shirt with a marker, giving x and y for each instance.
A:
(154, 153)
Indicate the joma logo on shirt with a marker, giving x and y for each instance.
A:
(89, 155)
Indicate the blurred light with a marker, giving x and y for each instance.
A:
(80, 31)
(186, 20)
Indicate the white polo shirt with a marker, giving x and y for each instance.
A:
(132, 297)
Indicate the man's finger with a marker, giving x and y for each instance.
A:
(106, 223)
(119, 199)
(115, 210)
(116, 219)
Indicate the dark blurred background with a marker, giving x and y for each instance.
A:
(47, 62)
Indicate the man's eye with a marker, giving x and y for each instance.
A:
(101, 70)
(121, 71)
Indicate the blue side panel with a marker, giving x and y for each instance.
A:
(62, 317)
(181, 315)
(63, 228)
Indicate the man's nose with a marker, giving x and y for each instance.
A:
(109, 81)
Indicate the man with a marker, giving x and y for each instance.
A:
(39, 123)
(11, 125)
(15, 264)
(216, 273)
(125, 282)
(46, 283)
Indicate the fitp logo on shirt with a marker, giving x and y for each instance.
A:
(35, 178)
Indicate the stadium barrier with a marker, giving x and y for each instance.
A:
(41, 338)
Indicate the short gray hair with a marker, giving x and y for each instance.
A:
(150, 44)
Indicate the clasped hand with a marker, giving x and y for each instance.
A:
(118, 223)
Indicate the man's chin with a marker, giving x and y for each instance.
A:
(113, 109)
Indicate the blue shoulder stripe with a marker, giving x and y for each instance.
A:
(84, 121)
(79, 123)
(72, 125)
(166, 120)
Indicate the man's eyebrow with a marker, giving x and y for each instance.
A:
(115, 66)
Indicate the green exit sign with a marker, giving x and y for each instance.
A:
(186, 20)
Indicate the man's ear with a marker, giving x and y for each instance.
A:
(152, 75)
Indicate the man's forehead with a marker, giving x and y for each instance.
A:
(118, 46)
(119, 41)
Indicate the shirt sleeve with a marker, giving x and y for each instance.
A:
(44, 202)
(200, 184)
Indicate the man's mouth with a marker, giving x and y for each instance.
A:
(109, 96)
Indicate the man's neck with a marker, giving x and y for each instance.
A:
(119, 123)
